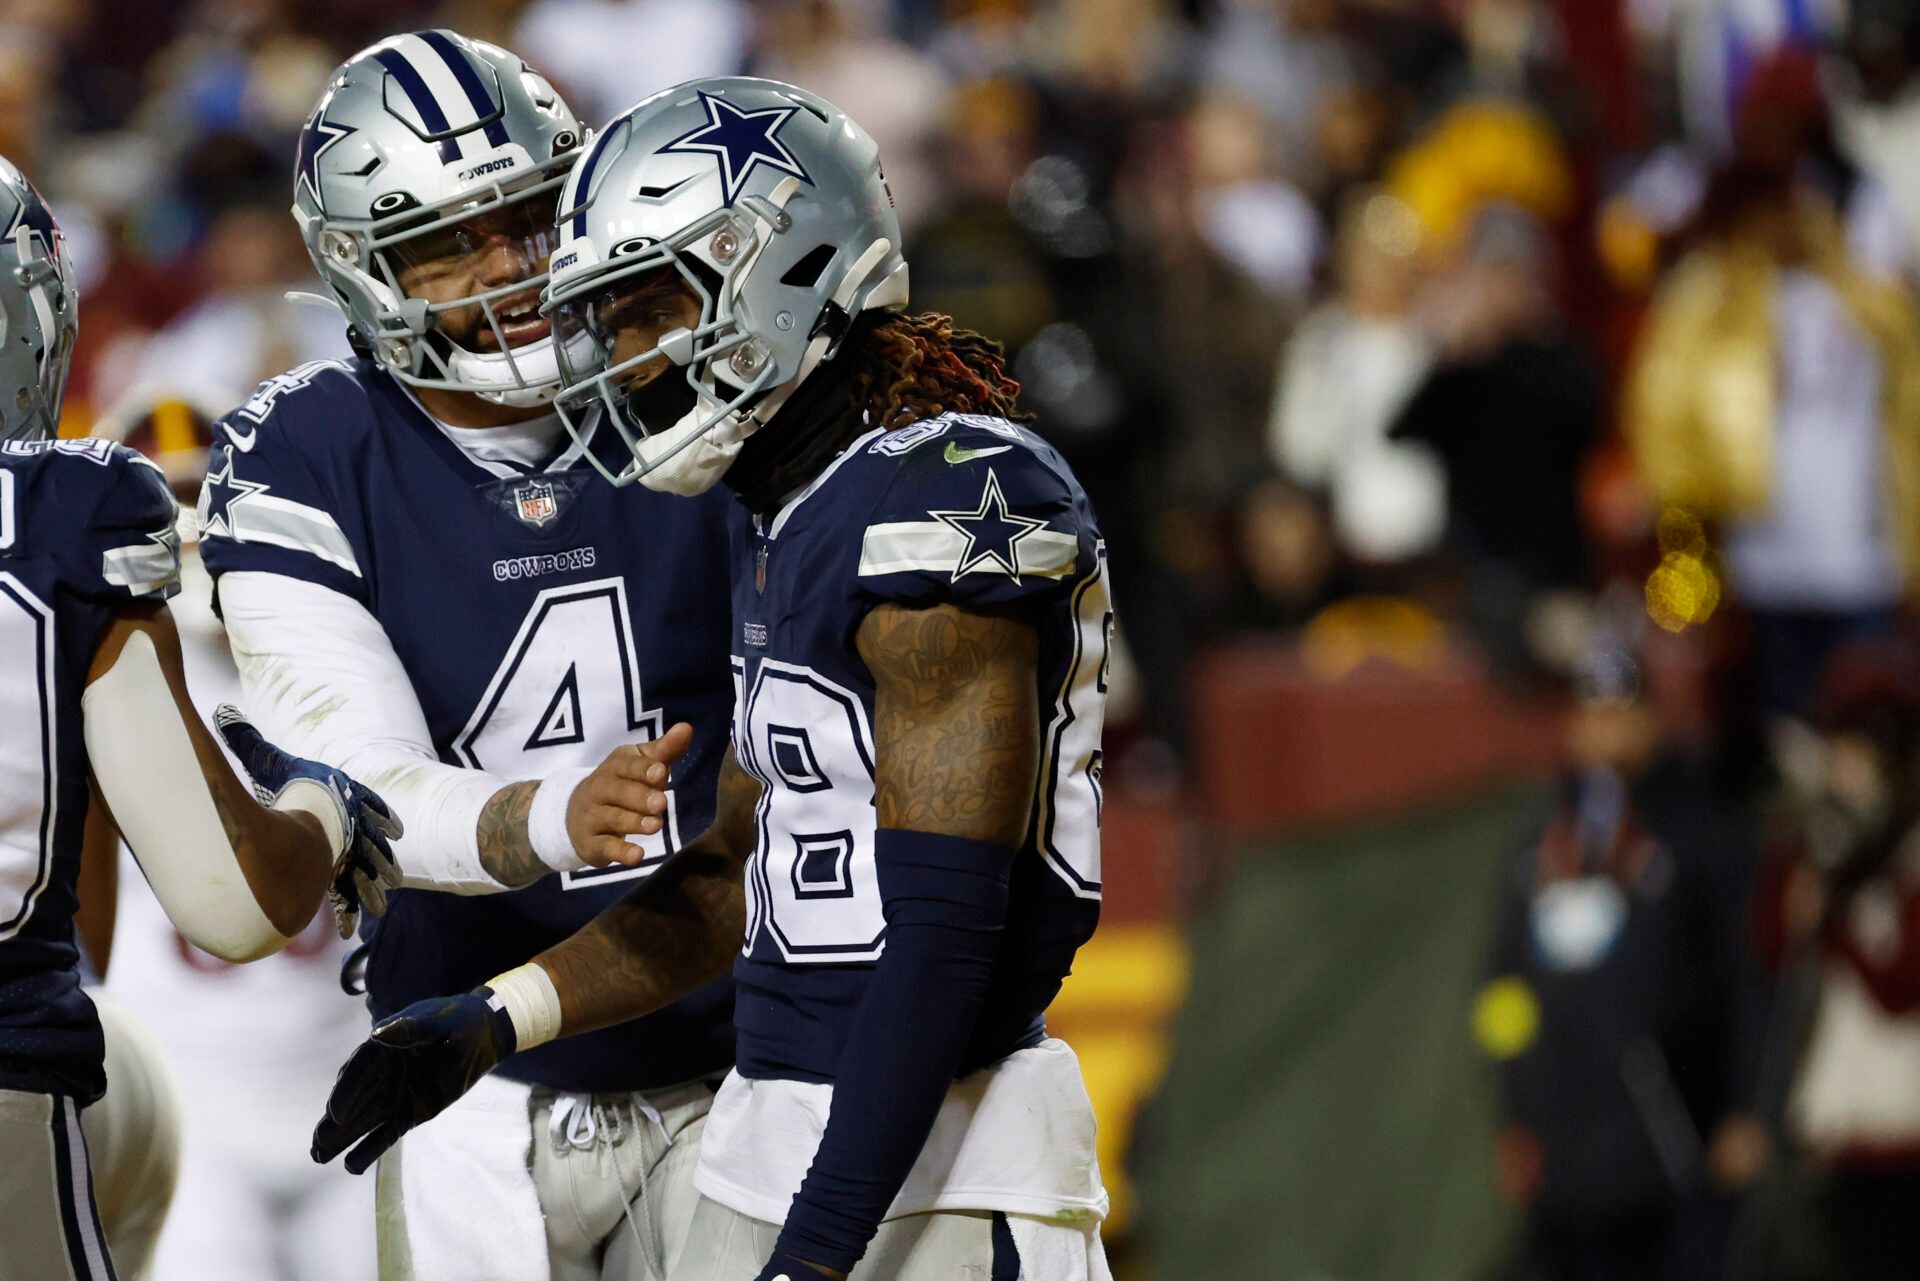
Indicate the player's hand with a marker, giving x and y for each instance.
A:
(408, 1071)
(784, 1267)
(363, 867)
(625, 795)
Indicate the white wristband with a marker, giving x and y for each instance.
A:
(305, 796)
(528, 996)
(547, 819)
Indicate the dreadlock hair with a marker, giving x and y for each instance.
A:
(911, 367)
(891, 370)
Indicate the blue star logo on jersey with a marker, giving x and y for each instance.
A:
(993, 533)
(315, 140)
(224, 489)
(741, 140)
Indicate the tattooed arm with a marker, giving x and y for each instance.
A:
(956, 725)
(957, 739)
(681, 928)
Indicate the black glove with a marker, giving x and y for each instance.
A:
(363, 870)
(408, 1071)
(784, 1267)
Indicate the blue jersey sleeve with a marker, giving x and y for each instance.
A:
(985, 514)
(267, 506)
(133, 550)
(99, 514)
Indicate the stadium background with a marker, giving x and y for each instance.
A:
(1340, 308)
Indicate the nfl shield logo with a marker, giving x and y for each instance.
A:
(534, 503)
(760, 570)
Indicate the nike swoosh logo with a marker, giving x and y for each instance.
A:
(957, 453)
(242, 443)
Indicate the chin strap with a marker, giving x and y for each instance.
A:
(815, 423)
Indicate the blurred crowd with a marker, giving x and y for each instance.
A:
(1582, 329)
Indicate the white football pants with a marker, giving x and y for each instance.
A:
(519, 1183)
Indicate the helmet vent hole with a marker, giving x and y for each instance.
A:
(807, 272)
(808, 107)
(564, 141)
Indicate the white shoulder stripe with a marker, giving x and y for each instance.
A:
(143, 568)
(931, 546)
(280, 522)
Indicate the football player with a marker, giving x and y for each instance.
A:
(907, 836)
(421, 573)
(94, 690)
(253, 1047)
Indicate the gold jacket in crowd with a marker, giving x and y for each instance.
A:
(1699, 408)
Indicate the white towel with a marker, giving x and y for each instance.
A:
(1058, 1250)
(466, 1179)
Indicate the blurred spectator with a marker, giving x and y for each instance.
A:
(243, 330)
(1250, 217)
(1348, 371)
(833, 48)
(1842, 904)
(606, 55)
(1288, 565)
(27, 62)
(1776, 394)
(1625, 1008)
(1511, 407)
(1285, 57)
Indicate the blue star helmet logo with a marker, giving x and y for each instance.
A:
(32, 211)
(740, 140)
(315, 140)
(992, 532)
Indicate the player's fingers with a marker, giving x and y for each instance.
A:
(615, 820)
(346, 912)
(383, 820)
(665, 750)
(404, 1032)
(637, 797)
(370, 1149)
(330, 1139)
(371, 893)
(611, 851)
(633, 764)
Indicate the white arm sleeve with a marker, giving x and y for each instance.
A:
(322, 681)
(144, 762)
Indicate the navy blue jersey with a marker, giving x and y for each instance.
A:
(958, 509)
(86, 527)
(543, 618)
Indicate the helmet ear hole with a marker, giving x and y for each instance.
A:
(807, 272)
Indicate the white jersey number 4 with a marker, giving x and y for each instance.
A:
(550, 704)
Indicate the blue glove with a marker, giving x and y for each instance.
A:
(363, 867)
(784, 1267)
(413, 1066)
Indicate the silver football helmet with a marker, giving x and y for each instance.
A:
(715, 242)
(39, 311)
(425, 190)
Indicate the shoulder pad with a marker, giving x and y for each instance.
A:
(275, 478)
(105, 514)
(985, 512)
(318, 383)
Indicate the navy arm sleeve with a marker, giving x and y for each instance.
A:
(984, 516)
